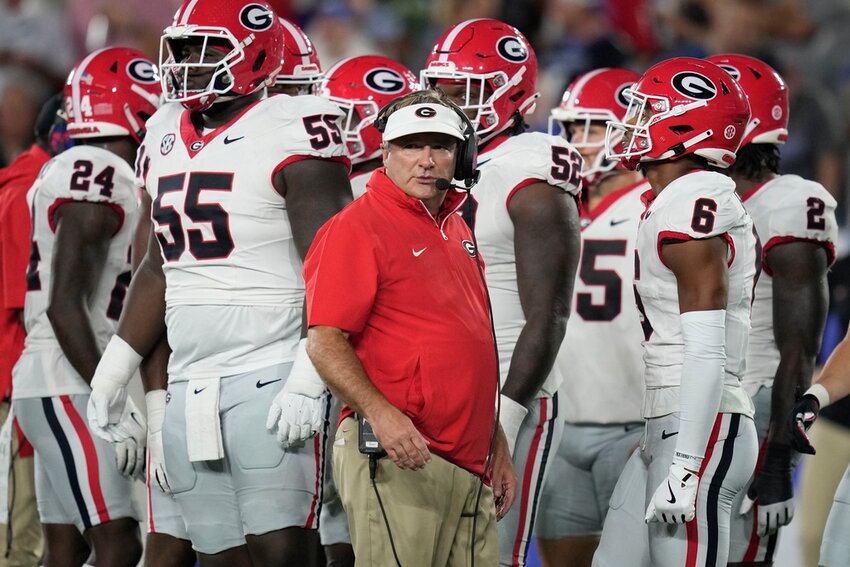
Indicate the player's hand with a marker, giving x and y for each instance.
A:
(802, 417)
(298, 410)
(503, 476)
(109, 385)
(156, 401)
(403, 443)
(130, 438)
(511, 416)
(772, 491)
(674, 502)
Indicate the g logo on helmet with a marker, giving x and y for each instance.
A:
(384, 80)
(142, 71)
(511, 49)
(693, 85)
(620, 97)
(256, 17)
(425, 112)
(736, 74)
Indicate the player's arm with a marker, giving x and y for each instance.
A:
(340, 367)
(800, 302)
(702, 283)
(546, 243)
(81, 246)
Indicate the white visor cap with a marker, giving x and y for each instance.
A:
(421, 118)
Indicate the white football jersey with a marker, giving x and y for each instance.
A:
(86, 174)
(511, 164)
(701, 204)
(234, 290)
(785, 209)
(358, 182)
(602, 351)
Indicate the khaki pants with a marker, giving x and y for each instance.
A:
(430, 512)
(26, 548)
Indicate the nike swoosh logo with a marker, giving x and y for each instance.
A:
(417, 253)
(199, 390)
(260, 383)
(665, 435)
(231, 140)
(616, 222)
(672, 499)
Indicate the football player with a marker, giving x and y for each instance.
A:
(695, 269)
(361, 86)
(795, 220)
(601, 352)
(239, 183)
(833, 385)
(300, 70)
(84, 209)
(527, 228)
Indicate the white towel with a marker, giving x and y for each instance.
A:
(5, 465)
(203, 423)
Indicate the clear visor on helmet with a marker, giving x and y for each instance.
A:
(195, 62)
(359, 114)
(477, 96)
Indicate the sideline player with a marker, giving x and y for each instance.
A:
(527, 228)
(832, 385)
(695, 270)
(795, 221)
(361, 86)
(300, 70)
(601, 353)
(226, 255)
(84, 209)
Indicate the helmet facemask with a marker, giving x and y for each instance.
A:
(359, 115)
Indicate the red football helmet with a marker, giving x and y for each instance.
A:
(361, 86)
(219, 47)
(300, 65)
(499, 58)
(596, 96)
(767, 94)
(678, 107)
(111, 92)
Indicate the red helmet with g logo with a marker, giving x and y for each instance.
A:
(361, 86)
(494, 57)
(681, 106)
(111, 92)
(596, 96)
(767, 94)
(218, 48)
(300, 65)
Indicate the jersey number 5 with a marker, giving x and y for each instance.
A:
(174, 245)
(607, 279)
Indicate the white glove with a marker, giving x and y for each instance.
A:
(511, 416)
(298, 409)
(109, 385)
(129, 438)
(674, 502)
(155, 400)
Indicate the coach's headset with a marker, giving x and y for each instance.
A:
(467, 149)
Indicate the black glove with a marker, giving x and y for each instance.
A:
(771, 490)
(802, 417)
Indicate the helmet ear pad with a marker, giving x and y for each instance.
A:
(466, 153)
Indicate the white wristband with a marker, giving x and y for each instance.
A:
(119, 361)
(821, 393)
(511, 416)
(155, 400)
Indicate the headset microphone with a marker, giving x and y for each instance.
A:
(444, 184)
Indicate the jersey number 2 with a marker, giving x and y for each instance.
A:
(174, 245)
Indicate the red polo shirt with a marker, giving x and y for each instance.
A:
(407, 288)
(15, 228)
